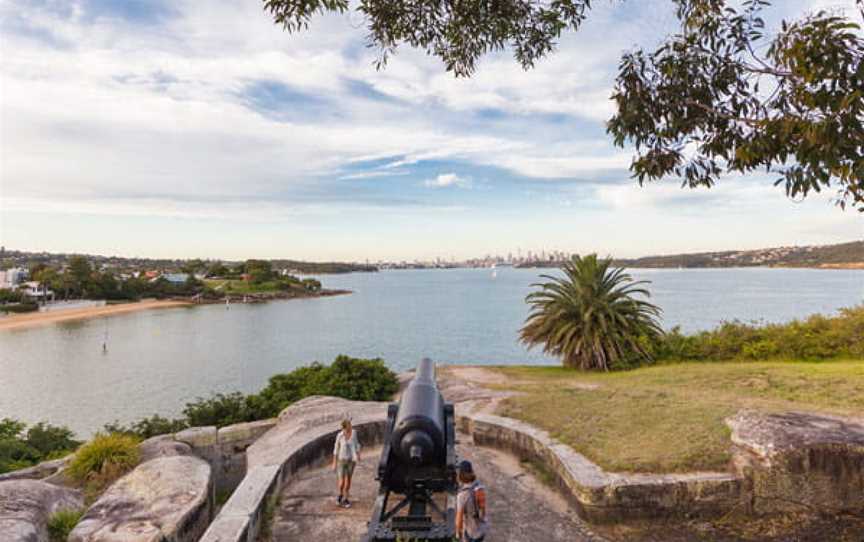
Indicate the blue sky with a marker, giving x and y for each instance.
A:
(200, 129)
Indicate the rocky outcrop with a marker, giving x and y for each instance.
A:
(37, 472)
(167, 499)
(26, 505)
(162, 446)
(797, 461)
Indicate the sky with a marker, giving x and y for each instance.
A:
(198, 128)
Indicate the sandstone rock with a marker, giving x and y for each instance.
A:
(37, 472)
(26, 505)
(244, 432)
(198, 437)
(166, 499)
(800, 461)
(162, 446)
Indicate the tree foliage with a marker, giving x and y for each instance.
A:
(351, 378)
(459, 33)
(591, 317)
(259, 271)
(722, 97)
(21, 447)
(718, 97)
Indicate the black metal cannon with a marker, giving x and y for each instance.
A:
(418, 466)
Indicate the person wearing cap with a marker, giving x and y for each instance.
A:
(346, 454)
(471, 521)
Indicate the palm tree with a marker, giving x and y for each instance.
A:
(590, 317)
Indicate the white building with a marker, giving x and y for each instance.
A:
(10, 278)
(36, 291)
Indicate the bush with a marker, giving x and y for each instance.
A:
(148, 427)
(61, 523)
(20, 307)
(350, 378)
(104, 459)
(21, 448)
(219, 410)
(815, 338)
(50, 440)
(359, 380)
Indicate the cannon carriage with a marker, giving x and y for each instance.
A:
(417, 469)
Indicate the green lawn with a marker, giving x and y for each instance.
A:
(669, 418)
(241, 287)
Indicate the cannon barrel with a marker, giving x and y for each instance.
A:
(418, 435)
(418, 462)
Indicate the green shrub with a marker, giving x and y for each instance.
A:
(287, 388)
(817, 337)
(61, 523)
(15, 454)
(20, 307)
(104, 459)
(359, 380)
(50, 440)
(148, 427)
(351, 378)
(220, 410)
(21, 448)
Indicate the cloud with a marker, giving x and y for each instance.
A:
(447, 180)
(209, 110)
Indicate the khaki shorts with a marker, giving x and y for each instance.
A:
(345, 468)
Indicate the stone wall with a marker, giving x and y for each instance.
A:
(800, 462)
(225, 449)
(604, 497)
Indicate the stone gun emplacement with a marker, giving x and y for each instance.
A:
(418, 463)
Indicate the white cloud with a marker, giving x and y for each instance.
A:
(446, 180)
(117, 119)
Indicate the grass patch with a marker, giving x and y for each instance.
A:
(670, 418)
(103, 460)
(61, 523)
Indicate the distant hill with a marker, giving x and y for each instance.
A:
(17, 258)
(840, 256)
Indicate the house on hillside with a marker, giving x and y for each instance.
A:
(36, 291)
(173, 278)
(11, 278)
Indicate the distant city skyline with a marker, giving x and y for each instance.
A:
(511, 257)
(187, 129)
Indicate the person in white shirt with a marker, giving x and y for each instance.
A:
(346, 454)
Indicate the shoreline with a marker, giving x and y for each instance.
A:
(32, 319)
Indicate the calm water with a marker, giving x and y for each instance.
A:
(157, 360)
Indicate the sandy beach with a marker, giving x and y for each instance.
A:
(18, 321)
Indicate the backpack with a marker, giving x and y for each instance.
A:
(478, 498)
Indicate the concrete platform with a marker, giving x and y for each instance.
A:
(521, 508)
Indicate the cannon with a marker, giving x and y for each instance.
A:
(417, 466)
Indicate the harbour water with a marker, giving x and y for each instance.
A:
(159, 359)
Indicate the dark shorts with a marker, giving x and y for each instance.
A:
(469, 539)
(345, 468)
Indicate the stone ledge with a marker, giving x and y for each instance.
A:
(198, 437)
(600, 496)
(798, 461)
